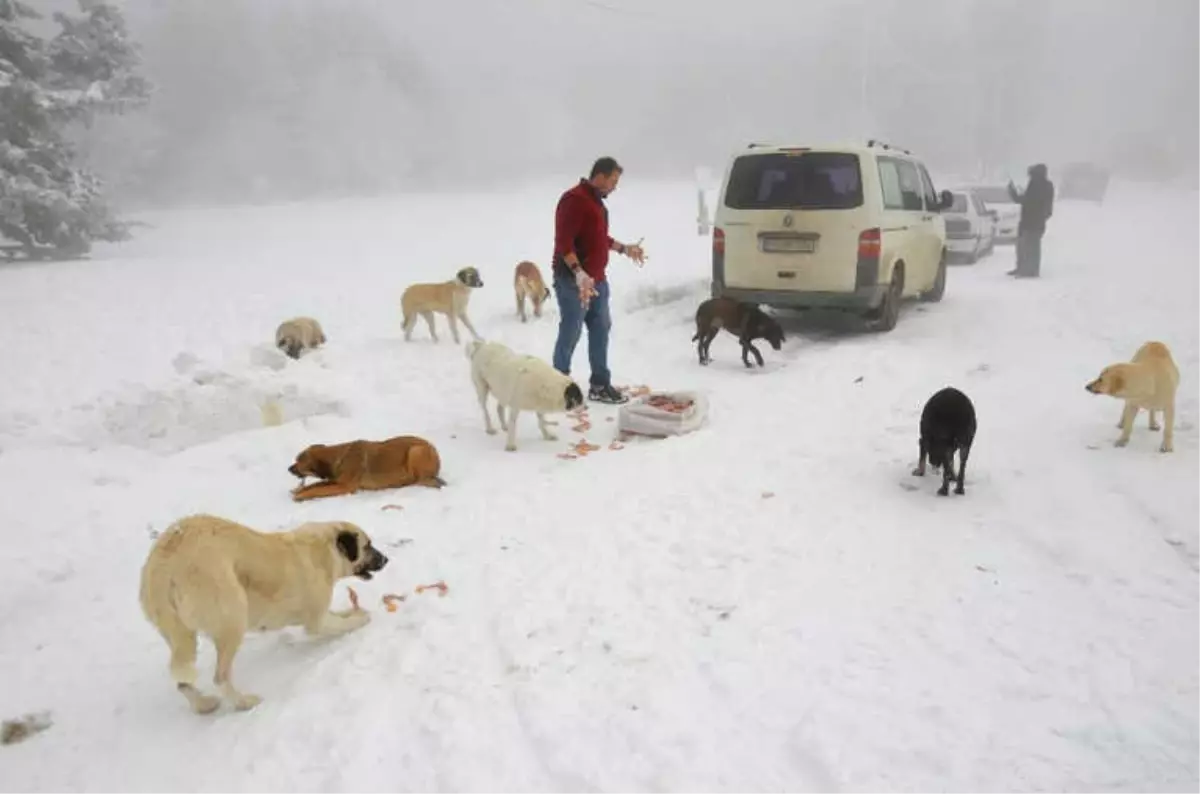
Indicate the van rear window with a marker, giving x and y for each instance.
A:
(810, 181)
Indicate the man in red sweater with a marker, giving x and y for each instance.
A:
(581, 246)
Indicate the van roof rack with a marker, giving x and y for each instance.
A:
(875, 142)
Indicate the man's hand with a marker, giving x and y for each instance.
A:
(633, 251)
(587, 286)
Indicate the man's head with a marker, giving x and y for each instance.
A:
(606, 173)
(1037, 171)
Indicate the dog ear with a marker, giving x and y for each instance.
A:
(1117, 384)
(347, 543)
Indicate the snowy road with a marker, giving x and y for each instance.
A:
(771, 603)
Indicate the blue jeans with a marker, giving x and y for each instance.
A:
(572, 317)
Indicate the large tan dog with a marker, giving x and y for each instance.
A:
(519, 383)
(528, 283)
(449, 298)
(207, 575)
(1148, 381)
(366, 466)
(297, 335)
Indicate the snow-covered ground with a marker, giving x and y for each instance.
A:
(640, 619)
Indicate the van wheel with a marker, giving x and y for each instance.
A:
(935, 293)
(889, 310)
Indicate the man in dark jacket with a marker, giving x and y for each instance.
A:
(581, 246)
(1037, 205)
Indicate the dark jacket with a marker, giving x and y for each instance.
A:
(1037, 203)
(581, 225)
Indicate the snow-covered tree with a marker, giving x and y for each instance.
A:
(46, 86)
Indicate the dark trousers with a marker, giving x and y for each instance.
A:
(1029, 252)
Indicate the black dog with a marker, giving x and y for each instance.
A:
(947, 425)
(744, 320)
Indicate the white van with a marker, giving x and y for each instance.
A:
(855, 228)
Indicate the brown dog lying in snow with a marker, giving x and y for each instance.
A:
(366, 466)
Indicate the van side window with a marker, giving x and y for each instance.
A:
(901, 185)
(931, 198)
(889, 182)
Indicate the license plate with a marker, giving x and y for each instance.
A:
(788, 245)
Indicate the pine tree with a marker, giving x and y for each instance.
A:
(47, 200)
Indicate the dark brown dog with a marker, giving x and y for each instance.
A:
(745, 321)
(366, 466)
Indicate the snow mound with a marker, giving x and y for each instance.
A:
(206, 406)
(648, 296)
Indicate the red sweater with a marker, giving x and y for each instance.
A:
(581, 225)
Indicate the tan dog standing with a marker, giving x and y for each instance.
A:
(1148, 381)
(208, 575)
(449, 298)
(297, 335)
(366, 466)
(528, 283)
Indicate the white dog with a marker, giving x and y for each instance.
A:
(519, 383)
(208, 575)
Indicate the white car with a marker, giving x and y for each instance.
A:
(852, 228)
(970, 226)
(1008, 212)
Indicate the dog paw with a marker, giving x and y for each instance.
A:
(549, 436)
(206, 704)
(246, 702)
(510, 447)
(943, 491)
(1120, 442)
(491, 431)
(918, 473)
(960, 491)
(1166, 448)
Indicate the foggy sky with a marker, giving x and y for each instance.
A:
(286, 98)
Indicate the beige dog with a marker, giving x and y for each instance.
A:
(298, 334)
(208, 575)
(1148, 381)
(519, 383)
(449, 298)
(528, 283)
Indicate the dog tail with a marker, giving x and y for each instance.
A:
(425, 465)
(158, 604)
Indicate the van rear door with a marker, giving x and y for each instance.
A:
(791, 220)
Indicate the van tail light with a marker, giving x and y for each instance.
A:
(870, 244)
(718, 240)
